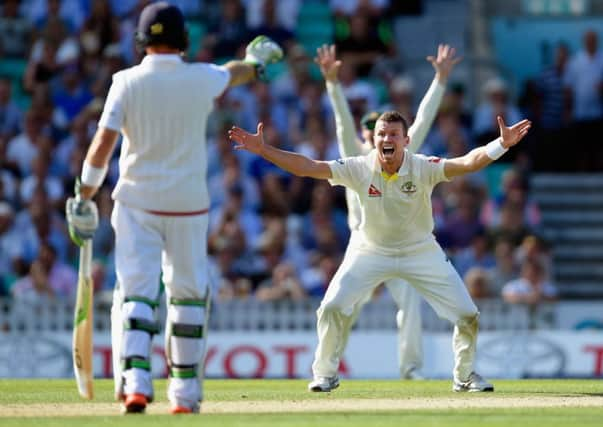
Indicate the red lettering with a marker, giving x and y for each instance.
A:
(598, 350)
(211, 352)
(290, 353)
(262, 362)
(107, 360)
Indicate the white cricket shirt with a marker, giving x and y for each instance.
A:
(396, 212)
(161, 108)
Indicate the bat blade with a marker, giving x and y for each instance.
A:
(82, 348)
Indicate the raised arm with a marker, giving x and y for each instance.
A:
(260, 52)
(443, 64)
(291, 162)
(481, 157)
(347, 141)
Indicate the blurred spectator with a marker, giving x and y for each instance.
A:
(511, 226)
(231, 176)
(478, 284)
(15, 31)
(362, 45)
(555, 114)
(21, 150)
(463, 223)
(100, 29)
(448, 127)
(227, 34)
(531, 287)
(48, 279)
(478, 254)
(505, 269)
(10, 113)
(270, 23)
(401, 92)
(283, 284)
(373, 8)
(534, 248)
(40, 178)
(497, 103)
(42, 67)
(70, 97)
(316, 279)
(10, 244)
(70, 12)
(584, 83)
(514, 190)
(285, 12)
(324, 228)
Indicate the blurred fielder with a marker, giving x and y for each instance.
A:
(408, 317)
(161, 108)
(394, 238)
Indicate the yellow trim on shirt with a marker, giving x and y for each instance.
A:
(389, 178)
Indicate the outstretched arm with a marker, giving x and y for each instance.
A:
(260, 52)
(443, 64)
(291, 162)
(347, 140)
(481, 157)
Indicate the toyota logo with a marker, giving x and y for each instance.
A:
(521, 355)
(33, 355)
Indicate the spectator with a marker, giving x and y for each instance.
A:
(15, 31)
(497, 103)
(511, 226)
(362, 45)
(505, 269)
(10, 245)
(478, 254)
(373, 8)
(584, 82)
(21, 150)
(10, 113)
(478, 283)
(271, 25)
(285, 12)
(226, 34)
(41, 178)
(48, 279)
(283, 284)
(100, 29)
(316, 279)
(531, 288)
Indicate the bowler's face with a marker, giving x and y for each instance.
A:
(390, 141)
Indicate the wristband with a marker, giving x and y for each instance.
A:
(495, 150)
(93, 176)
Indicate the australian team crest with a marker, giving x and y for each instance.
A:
(408, 187)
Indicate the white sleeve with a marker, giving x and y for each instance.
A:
(346, 172)
(216, 79)
(432, 169)
(427, 111)
(113, 115)
(347, 141)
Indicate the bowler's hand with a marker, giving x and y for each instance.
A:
(513, 134)
(326, 59)
(247, 141)
(444, 62)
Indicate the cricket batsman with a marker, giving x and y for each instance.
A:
(161, 107)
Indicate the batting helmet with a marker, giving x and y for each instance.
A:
(162, 23)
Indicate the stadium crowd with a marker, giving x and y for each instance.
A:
(272, 236)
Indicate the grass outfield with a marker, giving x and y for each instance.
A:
(287, 403)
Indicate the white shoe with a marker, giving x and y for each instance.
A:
(475, 383)
(413, 374)
(324, 383)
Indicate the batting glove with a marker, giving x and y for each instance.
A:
(262, 51)
(82, 218)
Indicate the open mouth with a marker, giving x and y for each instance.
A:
(387, 151)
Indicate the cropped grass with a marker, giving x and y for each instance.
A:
(63, 392)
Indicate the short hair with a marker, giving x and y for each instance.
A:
(394, 117)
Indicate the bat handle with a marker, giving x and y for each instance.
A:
(86, 258)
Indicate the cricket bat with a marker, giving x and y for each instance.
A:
(82, 324)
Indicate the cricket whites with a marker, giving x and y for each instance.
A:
(82, 324)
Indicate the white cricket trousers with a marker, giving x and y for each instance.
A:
(147, 247)
(408, 321)
(429, 272)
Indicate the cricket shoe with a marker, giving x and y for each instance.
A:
(475, 383)
(134, 403)
(324, 383)
(181, 409)
(413, 374)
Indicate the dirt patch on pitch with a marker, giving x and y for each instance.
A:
(328, 404)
